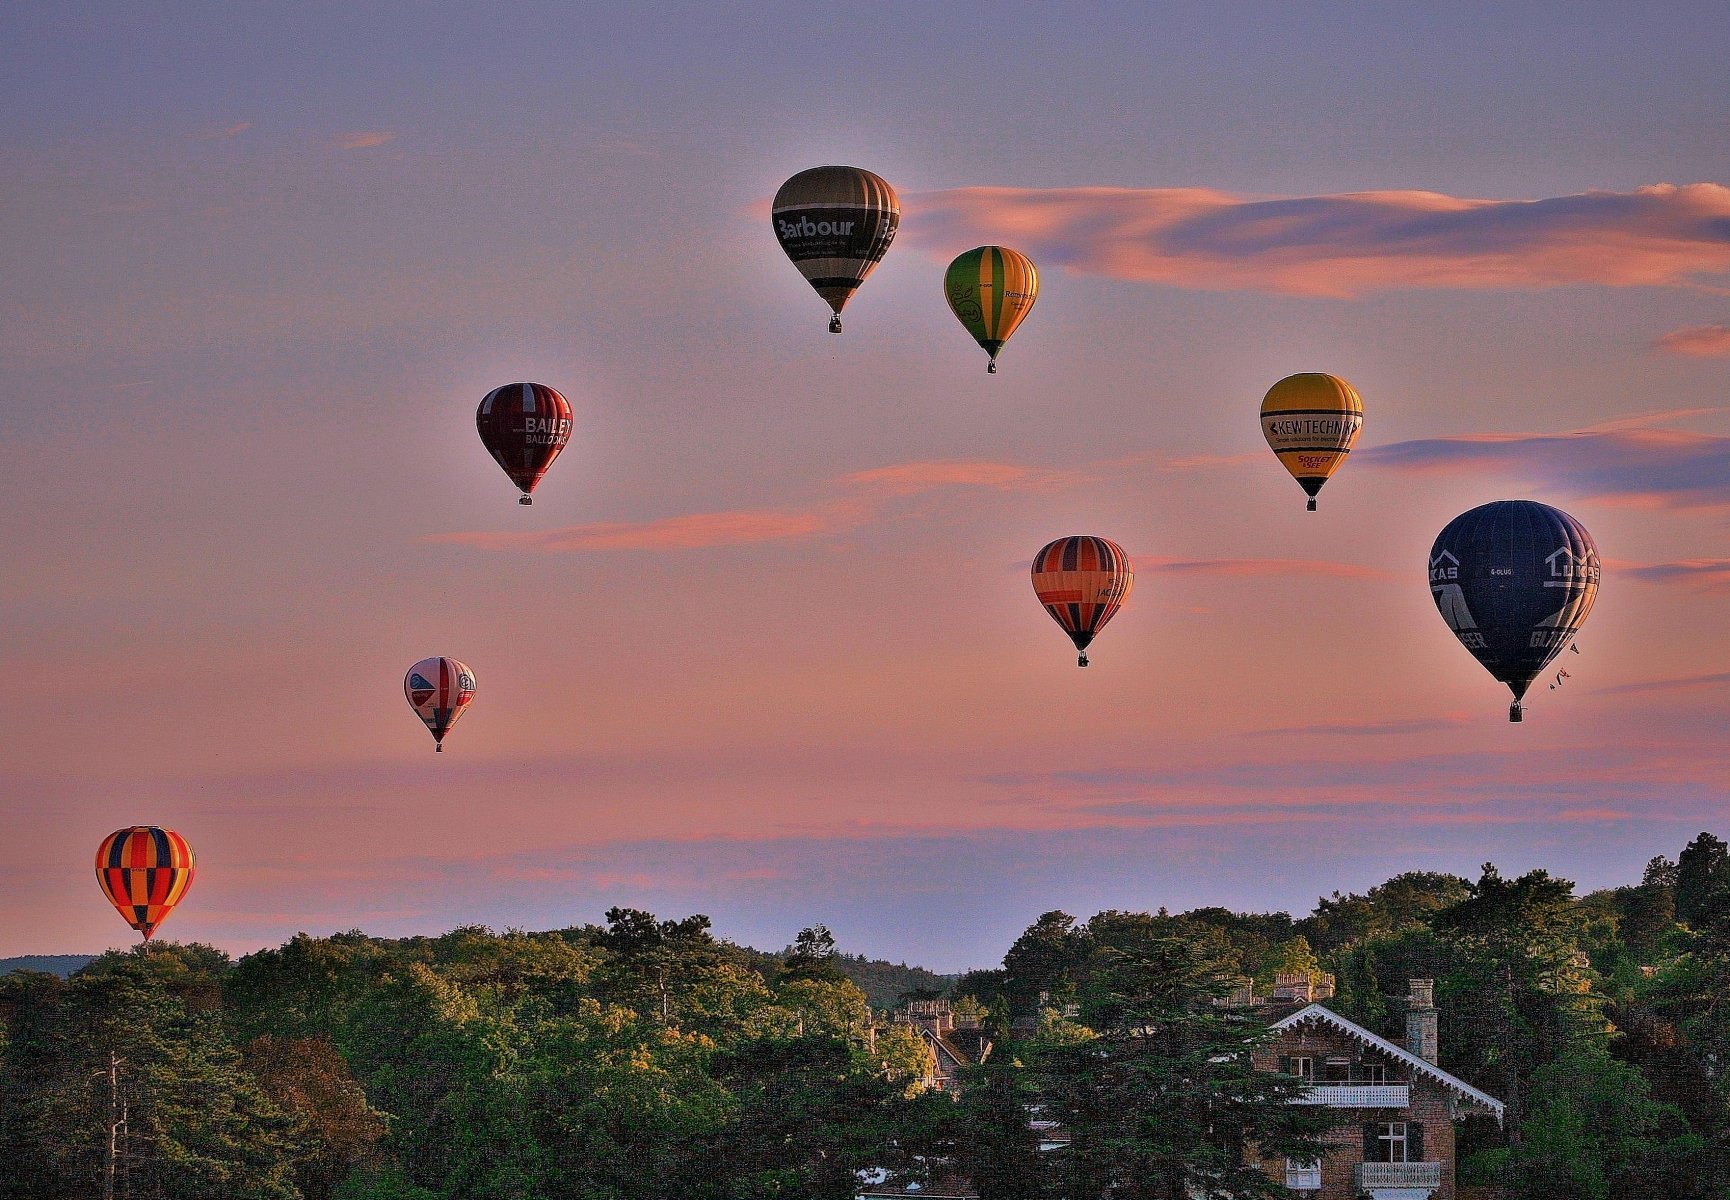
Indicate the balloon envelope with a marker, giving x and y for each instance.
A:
(1082, 581)
(524, 426)
(439, 691)
(1514, 580)
(1311, 421)
(836, 224)
(144, 870)
(991, 289)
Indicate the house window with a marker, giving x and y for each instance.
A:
(1374, 1073)
(1304, 1068)
(1303, 1176)
(1391, 1142)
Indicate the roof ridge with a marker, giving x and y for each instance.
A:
(1318, 1011)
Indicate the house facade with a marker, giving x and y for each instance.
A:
(1396, 1108)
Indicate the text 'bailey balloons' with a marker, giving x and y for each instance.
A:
(990, 289)
(144, 871)
(439, 690)
(1082, 581)
(1310, 421)
(1514, 580)
(524, 426)
(835, 223)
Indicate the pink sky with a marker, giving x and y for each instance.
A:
(765, 647)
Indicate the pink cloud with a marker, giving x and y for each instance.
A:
(231, 131)
(1348, 244)
(1620, 463)
(906, 479)
(1686, 683)
(694, 531)
(1260, 567)
(365, 140)
(1697, 341)
(1706, 573)
(690, 532)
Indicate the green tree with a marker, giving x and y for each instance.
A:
(1158, 1090)
(1702, 869)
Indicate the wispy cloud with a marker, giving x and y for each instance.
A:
(1697, 341)
(865, 494)
(1623, 463)
(1684, 683)
(1260, 567)
(227, 132)
(1348, 244)
(365, 139)
(1705, 573)
(1366, 728)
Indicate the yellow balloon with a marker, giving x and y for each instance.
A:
(1310, 421)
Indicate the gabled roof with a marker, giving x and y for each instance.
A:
(1327, 1016)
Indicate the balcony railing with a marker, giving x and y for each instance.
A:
(1359, 1095)
(1398, 1175)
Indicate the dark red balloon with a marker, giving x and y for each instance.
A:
(524, 426)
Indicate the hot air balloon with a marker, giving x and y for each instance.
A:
(835, 223)
(524, 426)
(1310, 421)
(439, 690)
(144, 871)
(990, 290)
(1082, 581)
(1514, 580)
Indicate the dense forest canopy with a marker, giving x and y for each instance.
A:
(647, 1058)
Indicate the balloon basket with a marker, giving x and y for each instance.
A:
(991, 367)
(438, 749)
(835, 323)
(1081, 660)
(1515, 712)
(1312, 504)
(525, 499)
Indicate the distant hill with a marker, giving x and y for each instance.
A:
(51, 964)
(882, 982)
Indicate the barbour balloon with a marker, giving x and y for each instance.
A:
(1082, 581)
(836, 224)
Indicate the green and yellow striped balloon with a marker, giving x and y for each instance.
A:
(991, 289)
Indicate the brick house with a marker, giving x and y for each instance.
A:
(1396, 1107)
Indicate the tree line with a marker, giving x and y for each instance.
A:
(647, 1058)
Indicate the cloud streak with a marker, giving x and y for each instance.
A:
(867, 494)
(1659, 468)
(1348, 244)
(365, 139)
(1708, 574)
(1259, 567)
(1697, 341)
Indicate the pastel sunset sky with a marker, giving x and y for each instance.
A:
(765, 647)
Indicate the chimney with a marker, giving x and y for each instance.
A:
(1421, 1020)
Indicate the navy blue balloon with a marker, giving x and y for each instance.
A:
(1514, 580)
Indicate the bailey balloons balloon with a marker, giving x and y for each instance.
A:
(439, 690)
(1311, 421)
(1082, 581)
(1514, 580)
(524, 426)
(836, 224)
(991, 289)
(144, 870)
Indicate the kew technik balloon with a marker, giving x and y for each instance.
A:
(1514, 580)
(1311, 420)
